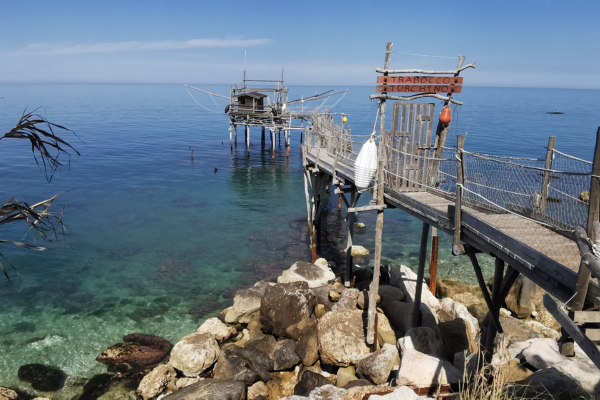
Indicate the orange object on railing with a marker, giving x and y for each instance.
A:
(445, 116)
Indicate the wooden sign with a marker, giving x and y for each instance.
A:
(420, 80)
(419, 88)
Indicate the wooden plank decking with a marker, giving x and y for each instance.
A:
(549, 259)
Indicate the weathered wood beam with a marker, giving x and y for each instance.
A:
(378, 207)
(547, 167)
(417, 317)
(573, 330)
(416, 96)
(421, 71)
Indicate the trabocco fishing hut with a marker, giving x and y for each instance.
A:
(537, 216)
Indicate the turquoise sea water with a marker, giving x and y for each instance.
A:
(135, 201)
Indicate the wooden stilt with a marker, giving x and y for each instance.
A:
(273, 142)
(262, 137)
(497, 302)
(416, 314)
(301, 136)
(248, 138)
(507, 283)
(230, 139)
(349, 260)
(484, 290)
(235, 134)
(435, 240)
(381, 162)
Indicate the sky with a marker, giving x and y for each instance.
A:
(526, 43)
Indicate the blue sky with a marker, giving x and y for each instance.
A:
(527, 43)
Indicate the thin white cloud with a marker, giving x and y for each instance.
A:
(120, 47)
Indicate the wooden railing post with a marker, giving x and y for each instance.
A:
(583, 276)
(457, 248)
(547, 167)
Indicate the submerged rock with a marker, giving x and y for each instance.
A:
(139, 351)
(199, 310)
(96, 387)
(42, 377)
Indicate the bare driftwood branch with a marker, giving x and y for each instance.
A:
(421, 71)
(416, 96)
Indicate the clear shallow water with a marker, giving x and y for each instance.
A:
(135, 200)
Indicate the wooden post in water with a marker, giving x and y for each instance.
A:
(248, 139)
(546, 180)
(273, 142)
(435, 240)
(416, 314)
(379, 189)
(457, 248)
(583, 277)
(235, 135)
(230, 139)
(351, 217)
(262, 138)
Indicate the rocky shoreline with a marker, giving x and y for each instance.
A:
(303, 337)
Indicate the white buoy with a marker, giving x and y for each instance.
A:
(365, 165)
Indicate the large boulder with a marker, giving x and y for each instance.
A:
(524, 297)
(377, 366)
(327, 392)
(385, 333)
(390, 293)
(345, 375)
(450, 310)
(265, 344)
(423, 370)
(307, 347)
(284, 356)
(42, 377)
(219, 330)
(450, 287)
(254, 356)
(457, 336)
(194, 353)
(315, 275)
(285, 304)
(540, 355)
(246, 304)
(400, 316)
(156, 381)
(422, 339)
(404, 278)
(549, 384)
(341, 338)
(232, 366)
(137, 353)
(308, 382)
(211, 389)
(347, 301)
(517, 330)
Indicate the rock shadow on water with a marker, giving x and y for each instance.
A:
(203, 308)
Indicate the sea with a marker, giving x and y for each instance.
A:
(157, 240)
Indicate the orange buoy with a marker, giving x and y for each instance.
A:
(445, 116)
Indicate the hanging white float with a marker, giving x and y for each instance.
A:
(365, 165)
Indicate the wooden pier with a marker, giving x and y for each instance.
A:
(521, 211)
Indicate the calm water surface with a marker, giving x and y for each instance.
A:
(157, 242)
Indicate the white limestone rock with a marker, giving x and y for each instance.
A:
(194, 353)
(420, 369)
(219, 330)
(317, 274)
(404, 278)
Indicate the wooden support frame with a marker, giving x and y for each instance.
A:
(433, 261)
(417, 316)
(497, 300)
(583, 276)
(486, 295)
(351, 218)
